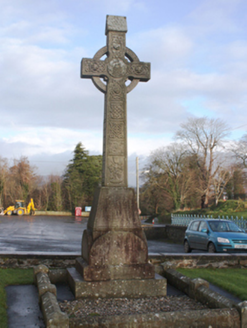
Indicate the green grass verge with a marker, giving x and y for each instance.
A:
(11, 277)
(232, 280)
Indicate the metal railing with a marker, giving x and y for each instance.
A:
(185, 219)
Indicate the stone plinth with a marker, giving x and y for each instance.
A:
(114, 272)
(114, 259)
(114, 245)
(134, 288)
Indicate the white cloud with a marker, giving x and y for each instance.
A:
(53, 141)
(48, 108)
(164, 46)
(215, 15)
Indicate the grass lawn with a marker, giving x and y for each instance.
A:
(232, 280)
(11, 277)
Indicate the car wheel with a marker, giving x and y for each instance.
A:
(187, 248)
(9, 213)
(211, 248)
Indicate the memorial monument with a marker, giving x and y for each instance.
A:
(114, 260)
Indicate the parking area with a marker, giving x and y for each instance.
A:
(54, 235)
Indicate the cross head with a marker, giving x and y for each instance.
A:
(120, 65)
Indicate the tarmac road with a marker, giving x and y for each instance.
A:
(54, 235)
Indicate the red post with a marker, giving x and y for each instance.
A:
(78, 211)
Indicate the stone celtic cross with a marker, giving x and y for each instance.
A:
(121, 64)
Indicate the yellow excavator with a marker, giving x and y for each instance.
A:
(19, 208)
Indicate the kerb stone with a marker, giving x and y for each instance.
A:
(53, 316)
(44, 285)
(242, 309)
(220, 318)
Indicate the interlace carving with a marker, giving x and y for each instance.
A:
(116, 130)
(116, 110)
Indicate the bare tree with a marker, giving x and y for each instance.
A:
(3, 177)
(167, 172)
(239, 149)
(204, 138)
(220, 181)
(21, 180)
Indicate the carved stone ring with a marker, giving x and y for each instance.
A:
(130, 55)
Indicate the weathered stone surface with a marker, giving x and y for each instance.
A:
(53, 316)
(177, 280)
(168, 265)
(223, 318)
(40, 268)
(114, 244)
(44, 285)
(194, 284)
(114, 209)
(58, 276)
(120, 65)
(114, 238)
(114, 272)
(212, 299)
(115, 288)
(197, 289)
(243, 263)
(242, 309)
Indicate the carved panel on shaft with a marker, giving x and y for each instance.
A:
(116, 169)
(116, 110)
(116, 147)
(116, 130)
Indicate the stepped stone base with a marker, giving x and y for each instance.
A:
(133, 288)
(114, 272)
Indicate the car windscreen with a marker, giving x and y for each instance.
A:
(222, 226)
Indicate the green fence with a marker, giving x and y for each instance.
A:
(185, 219)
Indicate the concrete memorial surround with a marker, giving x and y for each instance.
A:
(114, 259)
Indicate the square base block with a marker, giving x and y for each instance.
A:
(116, 288)
(110, 272)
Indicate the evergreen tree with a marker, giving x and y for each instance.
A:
(82, 176)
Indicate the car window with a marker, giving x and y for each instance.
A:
(194, 225)
(203, 225)
(233, 227)
(222, 226)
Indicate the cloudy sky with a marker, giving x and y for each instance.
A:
(198, 55)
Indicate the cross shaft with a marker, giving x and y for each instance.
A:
(120, 65)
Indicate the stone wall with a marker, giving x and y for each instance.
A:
(174, 261)
(170, 232)
(29, 261)
(175, 233)
(220, 261)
